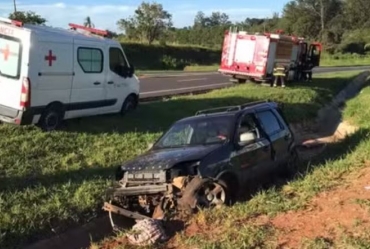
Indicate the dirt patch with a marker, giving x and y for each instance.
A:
(113, 244)
(329, 215)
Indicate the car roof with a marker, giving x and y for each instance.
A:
(54, 32)
(229, 113)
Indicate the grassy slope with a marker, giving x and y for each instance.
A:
(192, 58)
(51, 180)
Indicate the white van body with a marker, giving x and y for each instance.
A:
(46, 71)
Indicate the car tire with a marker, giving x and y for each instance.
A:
(128, 105)
(51, 118)
(193, 192)
(230, 198)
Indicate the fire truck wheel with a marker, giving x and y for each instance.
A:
(241, 81)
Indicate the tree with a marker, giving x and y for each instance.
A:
(215, 19)
(311, 17)
(150, 22)
(357, 13)
(27, 17)
(88, 23)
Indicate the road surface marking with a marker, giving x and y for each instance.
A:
(192, 79)
(185, 88)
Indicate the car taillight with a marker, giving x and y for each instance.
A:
(25, 93)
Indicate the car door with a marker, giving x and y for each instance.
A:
(252, 160)
(88, 94)
(118, 82)
(315, 54)
(280, 137)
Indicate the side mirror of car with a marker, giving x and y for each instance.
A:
(131, 70)
(127, 71)
(247, 138)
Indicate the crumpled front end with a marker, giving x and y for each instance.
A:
(142, 194)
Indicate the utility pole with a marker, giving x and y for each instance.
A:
(15, 6)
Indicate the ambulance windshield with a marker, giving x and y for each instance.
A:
(10, 50)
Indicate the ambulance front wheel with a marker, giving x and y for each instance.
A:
(51, 118)
(129, 104)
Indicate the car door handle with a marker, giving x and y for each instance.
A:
(96, 83)
(110, 82)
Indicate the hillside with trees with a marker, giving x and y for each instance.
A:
(342, 26)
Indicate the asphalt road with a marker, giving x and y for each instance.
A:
(157, 85)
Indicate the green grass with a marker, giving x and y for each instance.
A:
(50, 181)
(194, 58)
(339, 60)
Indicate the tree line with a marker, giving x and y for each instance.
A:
(341, 25)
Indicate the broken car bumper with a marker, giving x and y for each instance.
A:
(140, 190)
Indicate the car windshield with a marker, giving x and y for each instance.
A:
(197, 132)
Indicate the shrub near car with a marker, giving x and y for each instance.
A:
(49, 74)
(205, 160)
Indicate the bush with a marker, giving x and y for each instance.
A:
(367, 48)
(162, 57)
(353, 47)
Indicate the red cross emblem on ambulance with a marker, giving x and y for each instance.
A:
(6, 52)
(50, 58)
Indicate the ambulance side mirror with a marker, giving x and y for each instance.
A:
(131, 70)
(127, 71)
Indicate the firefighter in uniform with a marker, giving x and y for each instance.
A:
(279, 74)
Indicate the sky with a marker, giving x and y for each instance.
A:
(105, 13)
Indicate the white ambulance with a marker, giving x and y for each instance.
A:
(49, 74)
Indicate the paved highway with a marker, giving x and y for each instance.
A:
(157, 85)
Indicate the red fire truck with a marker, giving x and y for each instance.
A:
(253, 57)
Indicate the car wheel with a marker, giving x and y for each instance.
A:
(205, 193)
(128, 105)
(51, 119)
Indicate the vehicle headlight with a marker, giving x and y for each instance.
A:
(119, 173)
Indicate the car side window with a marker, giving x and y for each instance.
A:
(248, 124)
(117, 60)
(269, 121)
(90, 59)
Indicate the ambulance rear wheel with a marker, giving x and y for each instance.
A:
(51, 118)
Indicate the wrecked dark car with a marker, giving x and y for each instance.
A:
(205, 160)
